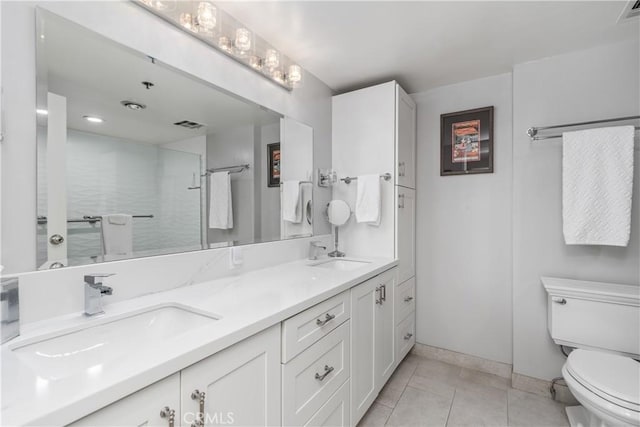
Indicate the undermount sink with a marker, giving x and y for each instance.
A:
(108, 340)
(341, 264)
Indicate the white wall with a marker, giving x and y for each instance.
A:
(130, 25)
(463, 236)
(587, 85)
(269, 214)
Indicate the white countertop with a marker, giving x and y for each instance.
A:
(247, 304)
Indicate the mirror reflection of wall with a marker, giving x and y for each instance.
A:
(136, 158)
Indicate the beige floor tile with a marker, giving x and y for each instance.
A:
(377, 415)
(528, 409)
(439, 372)
(433, 385)
(390, 394)
(482, 406)
(420, 408)
(481, 378)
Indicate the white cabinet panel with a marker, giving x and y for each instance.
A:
(303, 329)
(241, 384)
(405, 139)
(405, 335)
(141, 408)
(406, 233)
(405, 302)
(335, 412)
(384, 330)
(312, 377)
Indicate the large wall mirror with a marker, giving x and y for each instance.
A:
(136, 158)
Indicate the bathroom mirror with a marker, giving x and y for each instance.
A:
(338, 212)
(136, 158)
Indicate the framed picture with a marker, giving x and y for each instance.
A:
(273, 164)
(466, 142)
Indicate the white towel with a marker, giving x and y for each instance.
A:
(368, 199)
(291, 203)
(220, 203)
(597, 180)
(117, 234)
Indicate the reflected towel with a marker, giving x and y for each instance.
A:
(291, 203)
(117, 234)
(597, 179)
(220, 203)
(368, 199)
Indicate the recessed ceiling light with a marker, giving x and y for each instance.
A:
(42, 112)
(93, 119)
(133, 105)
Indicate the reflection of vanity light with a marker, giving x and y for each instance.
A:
(42, 112)
(93, 119)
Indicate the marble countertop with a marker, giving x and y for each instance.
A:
(246, 304)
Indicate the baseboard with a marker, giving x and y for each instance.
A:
(541, 388)
(464, 360)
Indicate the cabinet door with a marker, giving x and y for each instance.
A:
(364, 302)
(241, 384)
(141, 408)
(405, 139)
(385, 355)
(334, 413)
(406, 233)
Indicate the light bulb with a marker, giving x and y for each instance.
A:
(272, 58)
(165, 5)
(295, 75)
(224, 43)
(243, 40)
(186, 20)
(277, 75)
(206, 17)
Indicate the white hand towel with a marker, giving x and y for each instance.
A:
(597, 180)
(368, 199)
(117, 234)
(220, 203)
(291, 203)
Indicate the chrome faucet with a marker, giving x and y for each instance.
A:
(93, 291)
(314, 248)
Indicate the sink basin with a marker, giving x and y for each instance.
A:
(341, 264)
(108, 340)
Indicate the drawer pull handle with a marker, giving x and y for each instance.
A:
(559, 300)
(408, 336)
(199, 395)
(327, 370)
(170, 414)
(384, 292)
(408, 299)
(327, 318)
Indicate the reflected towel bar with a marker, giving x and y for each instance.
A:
(301, 182)
(241, 168)
(532, 132)
(88, 218)
(348, 179)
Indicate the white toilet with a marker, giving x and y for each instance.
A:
(602, 321)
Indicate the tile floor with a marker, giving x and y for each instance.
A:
(426, 392)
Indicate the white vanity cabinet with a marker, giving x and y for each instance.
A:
(372, 340)
(241, 384)
(406, 233)
(405, 139)
(142, 408)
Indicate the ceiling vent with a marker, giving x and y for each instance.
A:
(630, 11)
(189, 124)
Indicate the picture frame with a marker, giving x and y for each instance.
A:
(273, 164)
(466, 142)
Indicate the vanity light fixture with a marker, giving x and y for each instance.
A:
(208, 23)
(93, 119)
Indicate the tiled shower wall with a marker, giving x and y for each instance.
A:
(109, 175)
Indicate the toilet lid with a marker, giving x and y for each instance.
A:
(613, 377)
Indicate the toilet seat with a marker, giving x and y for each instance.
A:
(611, 377)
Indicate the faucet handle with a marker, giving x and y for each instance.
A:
(96, 278)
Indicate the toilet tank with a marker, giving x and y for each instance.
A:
(595, 315)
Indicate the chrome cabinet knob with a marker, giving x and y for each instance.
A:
(56, 239)
(559, 300)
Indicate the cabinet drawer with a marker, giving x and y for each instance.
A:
(405, 299)
(314, 375)
(303, 329)
(335, 412)
(405, 335)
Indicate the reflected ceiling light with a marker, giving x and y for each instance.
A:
(133, 105)
(93, 119)
(42, 112)
(207, 22)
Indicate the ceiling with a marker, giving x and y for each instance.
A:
(423, 44)
(95, 74)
